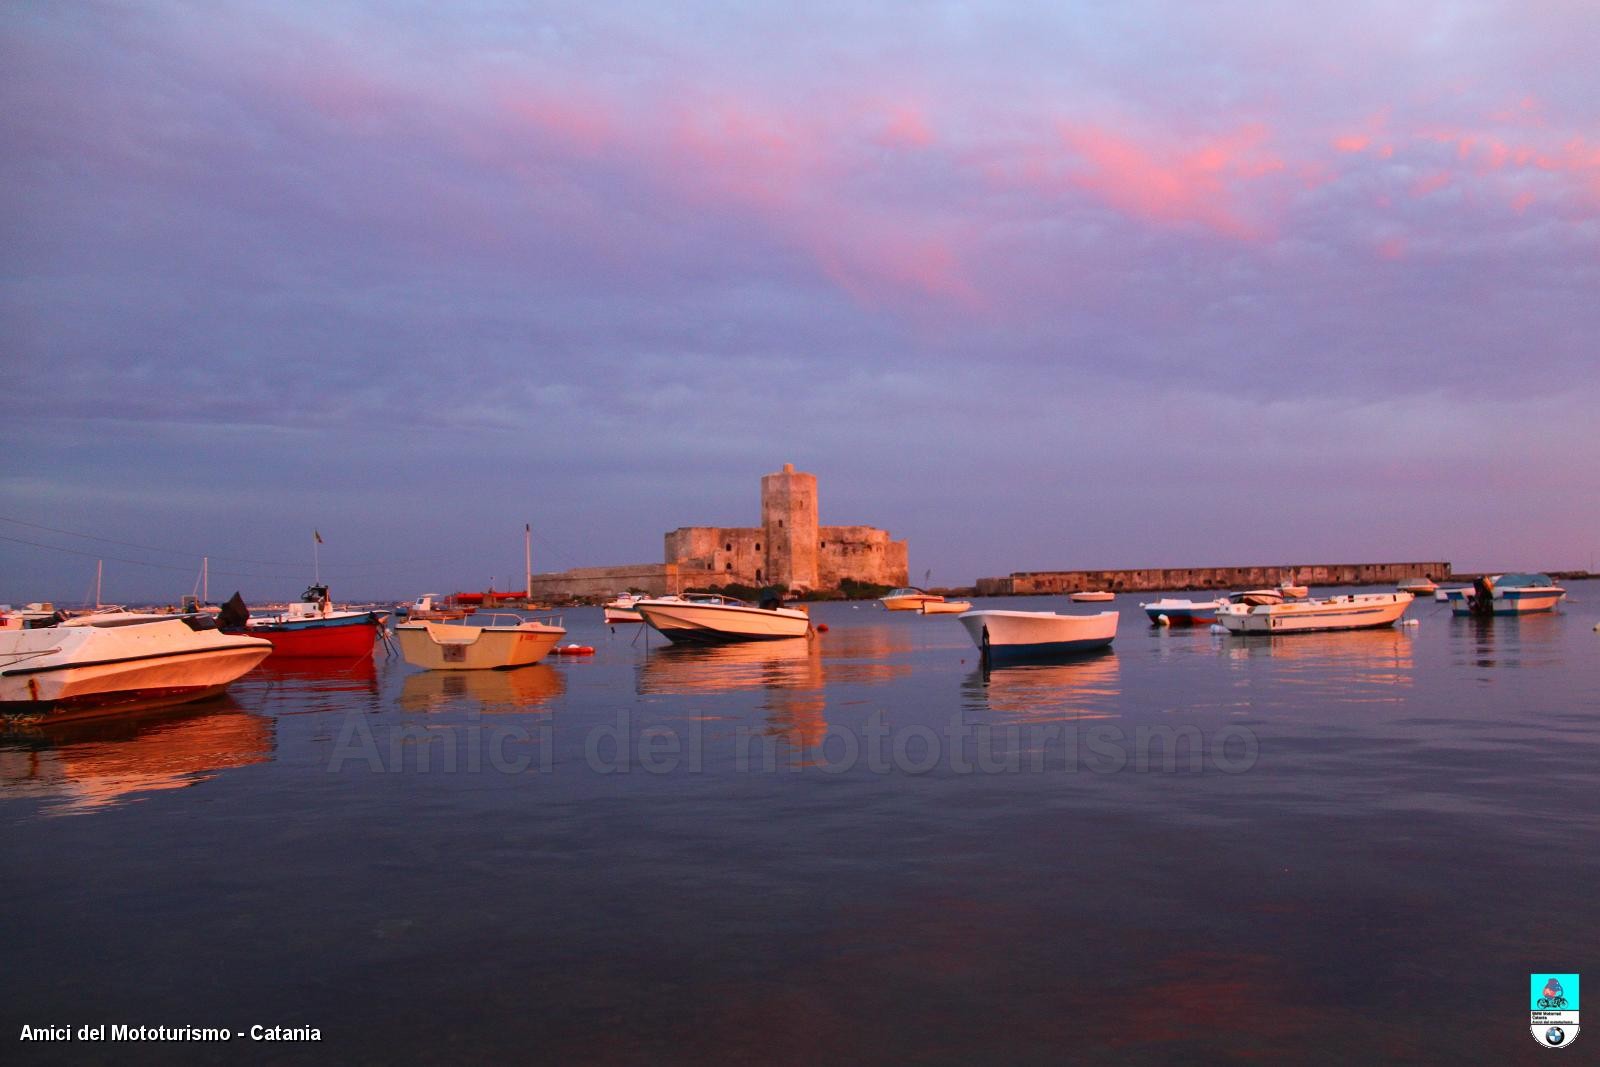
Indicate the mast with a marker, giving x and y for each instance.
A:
(527, 558)
(99, 566)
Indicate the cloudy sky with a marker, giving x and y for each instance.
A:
(1031, 284)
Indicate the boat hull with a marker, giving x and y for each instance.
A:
(1003, 636)
(1092, 597)
(78, 673)
(620, 615)
(908, 603)
(438, 646)
(336, 638)
(1182, 612)
(715, 624)
(945, 607)
(1357, 612)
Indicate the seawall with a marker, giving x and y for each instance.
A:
(1160, 579)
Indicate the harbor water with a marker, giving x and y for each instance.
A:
(862, 847)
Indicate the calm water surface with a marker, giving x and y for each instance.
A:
(1196, 848)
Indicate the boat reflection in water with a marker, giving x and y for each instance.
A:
(90, 766)
(790, 675)
(1086, 687)
(316, 685)
(491, 692)
(1489, 641)
(1357, 666)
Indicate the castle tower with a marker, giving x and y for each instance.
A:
(789, 528)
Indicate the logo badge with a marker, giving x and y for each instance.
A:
(1553, 1008)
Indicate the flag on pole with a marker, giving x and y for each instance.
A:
(317, 535)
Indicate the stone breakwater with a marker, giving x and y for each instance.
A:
(1160, 579)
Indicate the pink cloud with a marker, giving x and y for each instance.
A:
(1431, 183)
(1172, 183)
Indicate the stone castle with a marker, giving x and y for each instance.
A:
(790, 548)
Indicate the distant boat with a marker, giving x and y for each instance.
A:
(1292, 591)
(711, 619)
(431, 607)
(310, 627)
(457, 646)
(1359, 611)
(1092, 596)
(1020, 635)
(1507, 594)
(908, 599)
(1418, 586)
(1183, 612)
(119, 661)
(945, 607)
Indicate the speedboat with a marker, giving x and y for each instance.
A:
(310, 627)
(500, 645)
(1182, 612)
(710, 618)
(945, 607)
(1092, 596)
(1507, 594)
(1418, 586)
(110, 662)
(1013, 635)
(1249, 613)
(908, 599)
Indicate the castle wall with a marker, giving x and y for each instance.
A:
(657, 579)
(1023, 583)
(860, 553)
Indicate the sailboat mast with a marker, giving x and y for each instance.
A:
(99, 567)
(527, 558)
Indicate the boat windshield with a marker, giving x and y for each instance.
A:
(907, 591)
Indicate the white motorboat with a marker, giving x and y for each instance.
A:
(710, 618)
(501, 645)
(1507, 594)
(945, 607)
(1357, 611)
(118, 661)
(908, 599)
(1012, 635)
(1169, 611)
(1092, 596)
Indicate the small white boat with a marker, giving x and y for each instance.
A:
(1013, 635)
(1292, 591)
(1249, 613)
(908, 599)
(501, 645)
(1418, 586)
(118, 661)
(1182, 612)
(710, 618)
(620, 609)
(1507, 594)
(1092, 596)
(945, 607)
(1444, 596)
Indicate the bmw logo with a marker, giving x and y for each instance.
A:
(1555, 1035)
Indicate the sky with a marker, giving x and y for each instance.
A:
(1033, 285)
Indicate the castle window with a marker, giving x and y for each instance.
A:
(758, 546)
(758, 574)
(728, 547)
(729, 566)
(822, 544)
(780, 524)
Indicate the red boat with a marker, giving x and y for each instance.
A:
(312, 629)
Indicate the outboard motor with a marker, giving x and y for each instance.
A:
(234, 615)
